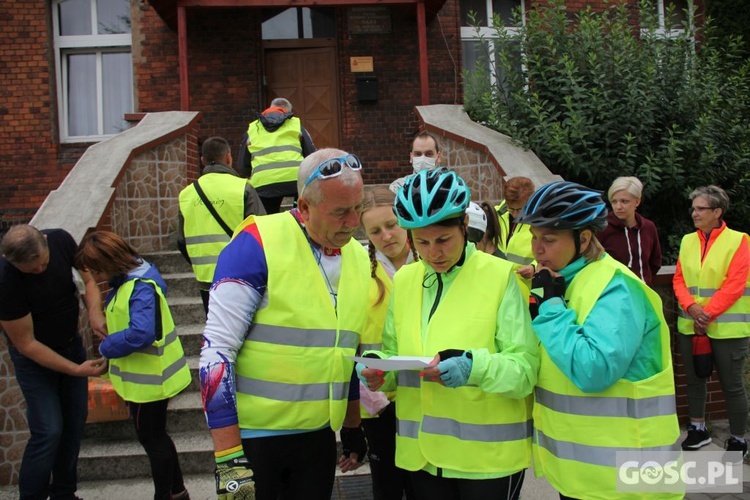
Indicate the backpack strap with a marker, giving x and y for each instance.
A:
(212, 210)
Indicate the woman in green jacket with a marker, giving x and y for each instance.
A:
(463, 425)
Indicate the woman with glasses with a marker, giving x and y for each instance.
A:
(605, 381)
(147, 365)
(389, 251)
(464, 422)
(516, 238)
(711, 285)
(629, 237)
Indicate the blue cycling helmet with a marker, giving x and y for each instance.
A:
(565, 205)
(430, 196)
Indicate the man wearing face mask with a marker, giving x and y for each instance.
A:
(425, 155)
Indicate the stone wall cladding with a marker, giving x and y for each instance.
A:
(475, 167)
(146, 205)
(15, 431)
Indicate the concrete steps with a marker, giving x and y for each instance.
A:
(110, 451)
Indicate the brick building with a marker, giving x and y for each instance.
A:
(353, 69)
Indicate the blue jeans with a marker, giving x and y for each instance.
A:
(56, 409)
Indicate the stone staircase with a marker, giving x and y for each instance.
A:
(111, 456)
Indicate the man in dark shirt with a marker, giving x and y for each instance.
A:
(39, 315)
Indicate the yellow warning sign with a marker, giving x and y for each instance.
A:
(361, 64)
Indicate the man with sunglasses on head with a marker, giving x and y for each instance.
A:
(287, 305)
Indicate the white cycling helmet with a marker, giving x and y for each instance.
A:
(477, 217)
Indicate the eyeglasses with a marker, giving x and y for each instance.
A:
(700, 209)
(513, 209)
(333, 168)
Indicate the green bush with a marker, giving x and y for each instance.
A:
(597, 95)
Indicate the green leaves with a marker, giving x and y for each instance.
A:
(596, 96)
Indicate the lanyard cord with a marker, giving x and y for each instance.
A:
(318, 257)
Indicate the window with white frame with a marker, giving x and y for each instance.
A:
(673, 14)
(94, 67)
(479, 14)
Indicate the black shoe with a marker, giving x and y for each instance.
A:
(733, 445)
(695, 439)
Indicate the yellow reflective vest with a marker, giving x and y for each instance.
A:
(292, 370)
(275, 156)
(372, 335)
(157, 372)
(518, 249)
(577, 434)
(463, 429)
(204, 236)
(703, 279)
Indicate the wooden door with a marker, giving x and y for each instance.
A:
(307, 77)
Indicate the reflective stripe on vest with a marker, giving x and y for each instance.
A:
(709, 292)
(275, 156)
(292, 392)
(518, 249)
(292, 370)
(144, 379)
(599, 406)
(594, 455)
(466, 432)
(282, 335)
(204, 236)
(207, 238)
(159, 350)
(577, 434)
(156, 372)
(463, 429)
(704, 277)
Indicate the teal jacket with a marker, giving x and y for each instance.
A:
(612, 343)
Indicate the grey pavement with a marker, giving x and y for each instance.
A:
(355, 485)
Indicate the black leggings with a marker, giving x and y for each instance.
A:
(293, 466)
(150, 421)
(388, 481)
(429, 487)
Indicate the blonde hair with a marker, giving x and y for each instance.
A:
(632, 185)
(378, 196)
(595, 250)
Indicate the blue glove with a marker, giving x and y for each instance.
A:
(455, 371)
(358, 368)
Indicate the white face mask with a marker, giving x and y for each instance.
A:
(420, 163)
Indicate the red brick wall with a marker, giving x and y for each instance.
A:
(381, 132)
(28, 169)
(224, 74)
(156, 64)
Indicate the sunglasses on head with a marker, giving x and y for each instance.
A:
(333, 168)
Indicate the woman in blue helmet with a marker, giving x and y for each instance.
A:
(464, 424)
(605, 381)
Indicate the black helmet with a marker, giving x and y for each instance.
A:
(565, 205)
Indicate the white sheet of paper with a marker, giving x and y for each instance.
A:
(394, 362)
